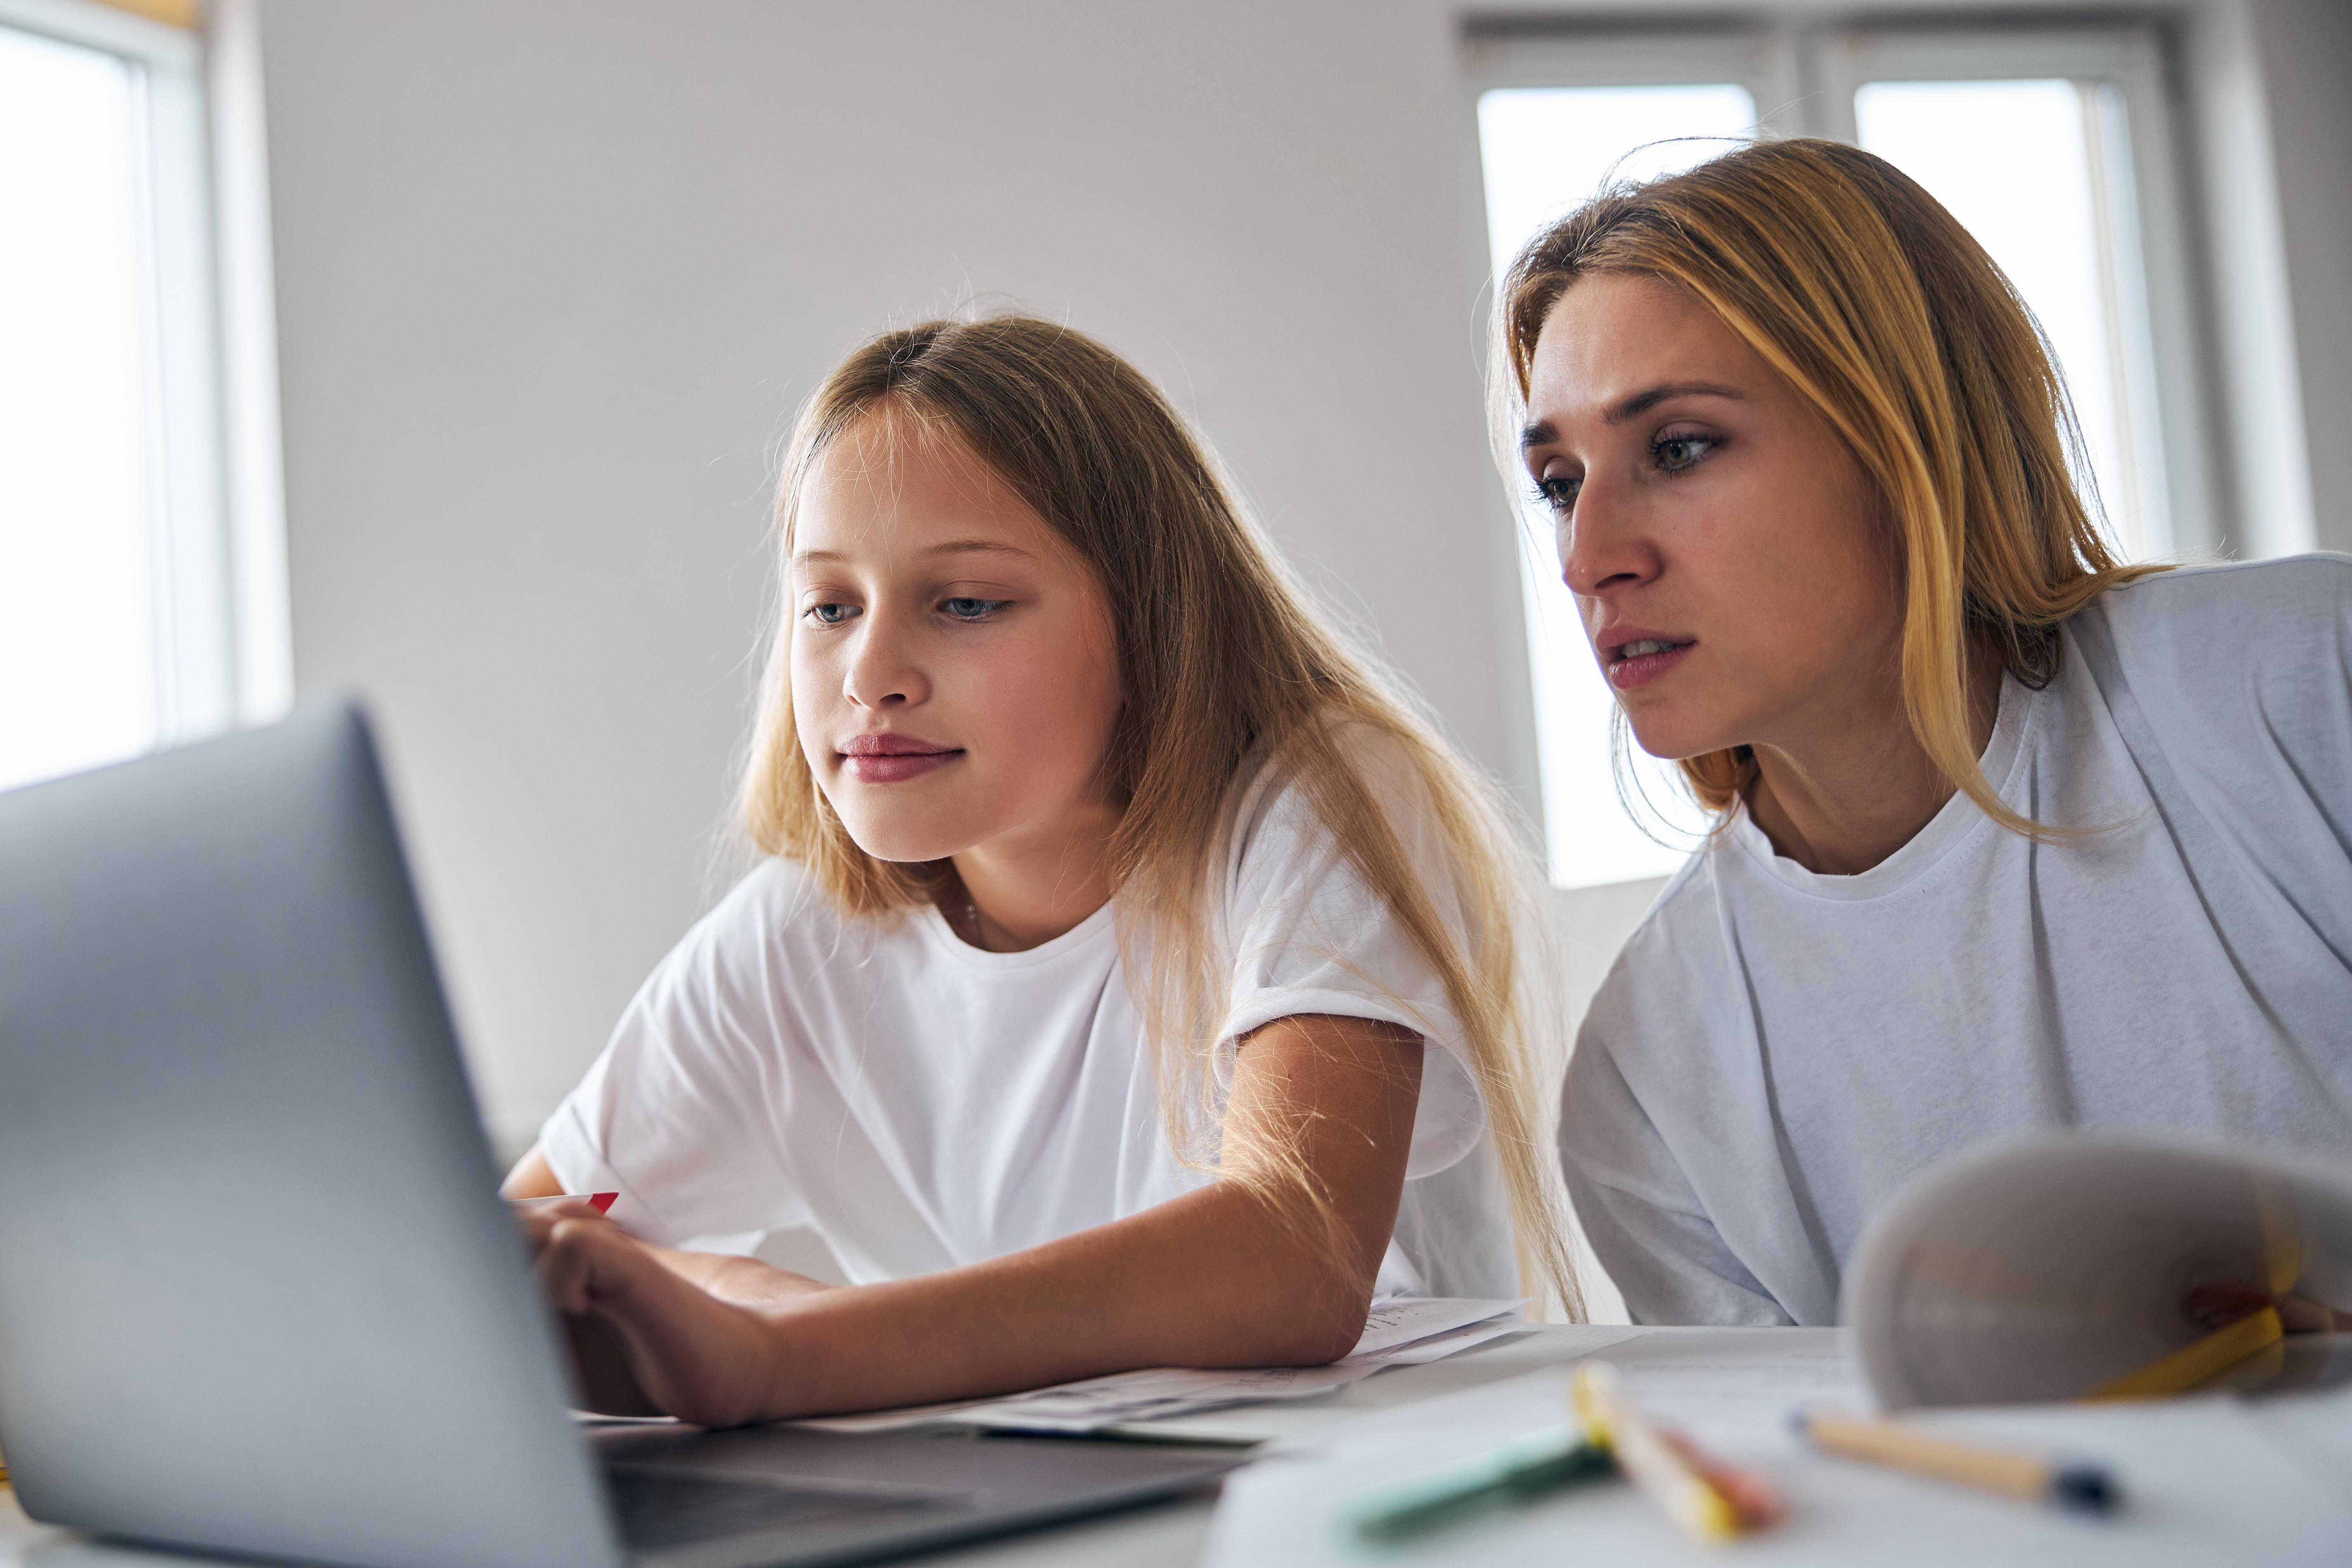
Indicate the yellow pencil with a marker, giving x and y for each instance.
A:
(1904, 1447)
(2196, 1363)
(1708, 1500)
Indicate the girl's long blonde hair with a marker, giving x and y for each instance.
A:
(1888, 316)
(1226, 668)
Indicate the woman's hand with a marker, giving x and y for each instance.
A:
(646, 1339)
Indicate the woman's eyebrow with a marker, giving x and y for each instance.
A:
(1641, 402)
(1542, 433)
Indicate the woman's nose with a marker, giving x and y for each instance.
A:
(1603, 548)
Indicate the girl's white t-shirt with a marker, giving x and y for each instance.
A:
(922, 1103)
(1777, 1052)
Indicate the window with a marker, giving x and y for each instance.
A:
(2050, 145)
(118, 597)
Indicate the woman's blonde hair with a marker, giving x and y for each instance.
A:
(1226, 668)
(1890, 320)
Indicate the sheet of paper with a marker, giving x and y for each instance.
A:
(1404, 1318)
(1148, 1396)
(2206, 1480)
(1299, 1420)
(1404, 1332)
(1437, 1347)
(1397, 1334)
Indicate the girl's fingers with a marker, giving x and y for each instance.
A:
(689, 1350)
(539, 1217)
(582, 1260)
(564, 1269)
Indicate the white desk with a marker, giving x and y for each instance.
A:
(1899, 1518)
(1167, 1536)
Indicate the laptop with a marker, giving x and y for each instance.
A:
(257, 1293)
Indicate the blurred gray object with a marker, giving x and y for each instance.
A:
(2074, 1266)
(256, 1291)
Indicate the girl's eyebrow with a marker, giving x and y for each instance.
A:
(978, 547)
(1541, 432)
(952, 547)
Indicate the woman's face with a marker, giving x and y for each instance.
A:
(1724, 547)
(955, 677)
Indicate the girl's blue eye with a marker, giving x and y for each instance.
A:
(972, 609)
(830, 614)
(1676, 453)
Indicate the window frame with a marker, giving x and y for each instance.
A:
(205, 598)
(1802, 77)
(2130, 61)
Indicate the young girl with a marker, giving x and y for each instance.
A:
(2013, 837)
(1131, 980)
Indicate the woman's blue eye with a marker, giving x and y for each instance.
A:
(1679, 452)
(1557, 492)
(971, 609)
(830, 614)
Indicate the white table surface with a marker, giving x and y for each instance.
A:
(1167, 1535)
(2267, 1480)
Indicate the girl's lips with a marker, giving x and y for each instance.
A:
(1626, 674)
(896, 768)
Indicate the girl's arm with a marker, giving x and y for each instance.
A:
(1234, 1274)
(746, 1280)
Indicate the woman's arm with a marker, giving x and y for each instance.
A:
(1646, 1224)
(1239, 1273)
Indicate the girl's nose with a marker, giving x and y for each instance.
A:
(883, 674)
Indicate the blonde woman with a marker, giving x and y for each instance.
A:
(1130, 978)
(2013, 836)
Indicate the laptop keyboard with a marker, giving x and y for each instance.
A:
(661, 1506)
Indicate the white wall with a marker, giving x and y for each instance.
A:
(550, 277)
(552, 273)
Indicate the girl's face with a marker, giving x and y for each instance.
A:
(955, 677)
(1724, 547)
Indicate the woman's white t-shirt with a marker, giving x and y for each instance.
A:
(922, 1103)
(1776, 1052)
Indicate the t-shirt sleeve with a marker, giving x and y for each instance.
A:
(1309, 935)
(1646, 1224)
(2245, 671)
(679, 1115)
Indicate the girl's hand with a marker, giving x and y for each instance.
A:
(648, 1340)
(1272, 1267)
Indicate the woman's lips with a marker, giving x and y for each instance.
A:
(892, 759)
(1630, 670)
